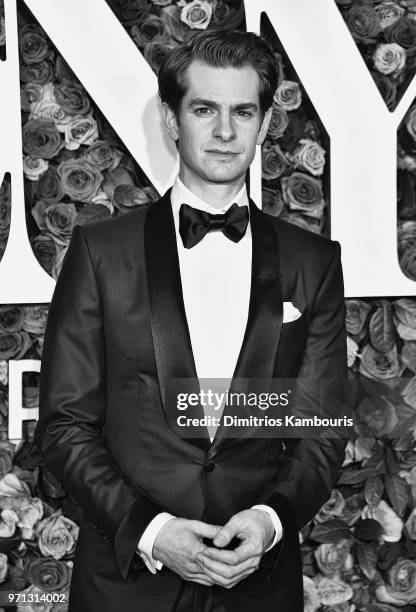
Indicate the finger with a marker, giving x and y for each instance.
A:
(200, 579)
(226, 534)
(246, 550)
(227, 583)
(205, 530)
(229, 571)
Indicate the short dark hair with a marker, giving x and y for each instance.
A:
(223, 49)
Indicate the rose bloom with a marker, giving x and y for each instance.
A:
(389, 58)
(275, 162)
(72, 98)
(411, 525)
(406, 235)
(50, 111)
(30, 511)
(3, 567)
(48, 574)
(40, 73)
(34, 318)
(408, 355)
(151, 29)
(387, 88)
(403, 33)
(363, 22)
(288, 95)
(4, 372)
(310, 156)
(311, 601)
(29, 94)
(405, 318)
(57, 535)
(12, 486)
(80, 180)
(332, 508)
(197, 14)
(41, 139)
(309, 223)
(59, 220)
(304, 193)
(388, 519)
(34, 167)
(8, 523)
(127, 196)
(49, 187)
(103, 155)
(79, 131)
(388, 13)
(410, 121)
(38, 213)
(32, 44)
(45, 251)
(30, 601)
(278, 123)
(401, 587)
(352, 351)
(331, 557)
(332, 591)
(374, 364)
(14, 345)
(272, 201)
(6, 461)
(11, 318)
(170, 16)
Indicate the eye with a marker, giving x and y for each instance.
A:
(244, 114)
(202, 111)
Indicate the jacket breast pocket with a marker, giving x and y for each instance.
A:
(295, 329)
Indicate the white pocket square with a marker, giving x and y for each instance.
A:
(290, 312)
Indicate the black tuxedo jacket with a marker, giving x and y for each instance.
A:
(116, 333)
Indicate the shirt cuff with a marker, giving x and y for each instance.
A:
(276, 523)
(149, 535)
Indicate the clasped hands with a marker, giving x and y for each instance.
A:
(179, 545)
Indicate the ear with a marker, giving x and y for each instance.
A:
(264, 126)
(170, 121)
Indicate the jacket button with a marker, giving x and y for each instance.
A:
(209, 466)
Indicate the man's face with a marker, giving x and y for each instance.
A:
(219, 124)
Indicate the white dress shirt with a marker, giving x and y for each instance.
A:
(216, 281)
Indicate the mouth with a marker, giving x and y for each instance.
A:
(223, 153)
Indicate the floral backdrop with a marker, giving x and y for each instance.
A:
(359, 552)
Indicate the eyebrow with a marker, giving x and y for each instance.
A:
(212, 104)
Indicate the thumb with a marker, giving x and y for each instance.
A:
(225, 535)
(205, 529)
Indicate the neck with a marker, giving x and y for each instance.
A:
(216, 195)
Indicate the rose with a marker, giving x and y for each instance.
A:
(12, 486)
(127, 196)
(308, 223)
(39, 73)
(34, 318)
(72, 98)
(383, 366)
(275, 162)
(363, 23)
(288, 95)
(32, 44)
(134, 11)
(151, 29)
(57, 535)
(410, 121)
(375, 418)
(389, 58)
(197, 14)
(11, 318)
(3, 567)
(49, 188)
(49, 574)
(170, 16)
(310, 156)
(272, 202)
(29, 94)
(38, 213)
(154, 52)
(304, 193)
(45, 251)
(411, 524)
(332, 591)
(6, 461)
(41, 139)
(311, 601)
(79, 131)
(59, 219)
(331, 557)
(405, 318)
(29, 511)
(401, 587)
(33, 594)
(387, 88)
(8, 523)
(332, 508)
(388, 13)
(352, 351)
(406, 235)
(92, 212)
(14, 345)
(103, 155)
(229, 16)
(80, 180)
(278, 123)
(409, 392)
(407, 261)
(51, 111)
(34, 167)
(4, 376)
(2, 31)
(408, 355)
(388, 519)
(403, 33)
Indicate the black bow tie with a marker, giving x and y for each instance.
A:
(194, 223)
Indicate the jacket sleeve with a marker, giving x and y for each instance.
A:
(309, 467)
(72, 407)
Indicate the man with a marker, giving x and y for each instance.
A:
(193, 285)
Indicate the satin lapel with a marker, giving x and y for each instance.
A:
(264, 321)
(172, 343)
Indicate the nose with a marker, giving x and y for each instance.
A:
(224, 127)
